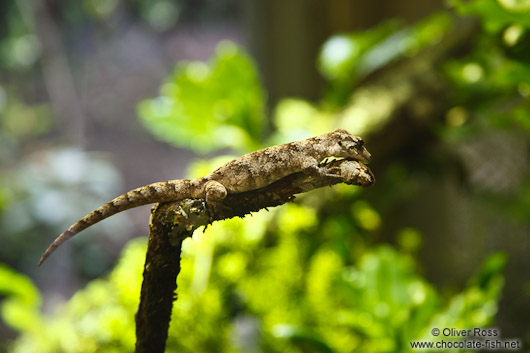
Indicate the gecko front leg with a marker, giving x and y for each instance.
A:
(311, 166)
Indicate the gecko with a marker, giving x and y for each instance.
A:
(249, 172)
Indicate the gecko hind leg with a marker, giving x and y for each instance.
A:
(215, 193)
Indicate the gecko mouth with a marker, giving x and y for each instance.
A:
(328, 160)
(361, 158)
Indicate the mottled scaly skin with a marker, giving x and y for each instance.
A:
(249, 172)
(261, 168)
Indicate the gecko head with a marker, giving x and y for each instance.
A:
(349, 146)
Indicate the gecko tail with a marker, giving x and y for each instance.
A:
(67, 234)
(117, 205)
(157, 192)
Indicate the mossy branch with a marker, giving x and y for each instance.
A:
(173, 222)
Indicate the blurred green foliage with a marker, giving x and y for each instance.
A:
(307, 277)
(492, 87)
(214, 105)
(37, 189)
(21, 309)
(20, 123)
(346, 59)
(260, 284)
(19, 47)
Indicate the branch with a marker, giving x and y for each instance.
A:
(173, 222)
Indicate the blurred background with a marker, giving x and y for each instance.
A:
(98, 97)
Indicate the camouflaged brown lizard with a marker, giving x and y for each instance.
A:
(249, 172)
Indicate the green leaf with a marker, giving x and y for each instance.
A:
(306, 339)
(21, 308)
(345, 59)
(517, 6)
(495, 14)
(18, 287)
(212, 106)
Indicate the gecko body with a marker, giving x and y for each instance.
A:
(248, 172)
